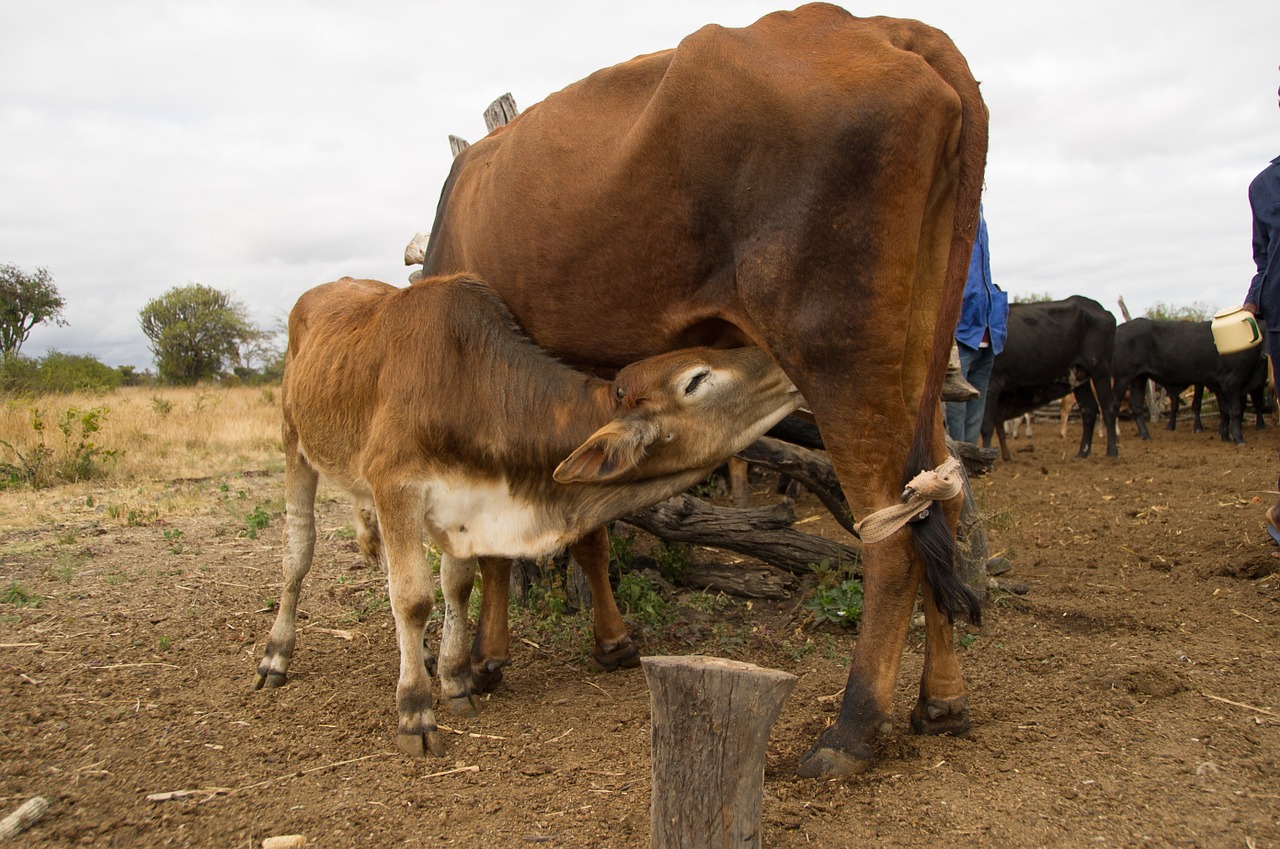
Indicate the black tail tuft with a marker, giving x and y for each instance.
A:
(938, 549)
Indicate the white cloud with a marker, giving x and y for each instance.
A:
(264, 148)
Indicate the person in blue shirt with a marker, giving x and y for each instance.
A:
(980, 335)
(1263, 298)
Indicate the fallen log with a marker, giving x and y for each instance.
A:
(748, 580)
(764, 533)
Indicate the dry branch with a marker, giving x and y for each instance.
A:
(810, 468)
(762, 532)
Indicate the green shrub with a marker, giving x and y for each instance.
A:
(78, 458)
(838, 596)
(1199, 311)
(57, 373)
(637, 596)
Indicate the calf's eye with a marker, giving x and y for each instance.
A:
(695, 381)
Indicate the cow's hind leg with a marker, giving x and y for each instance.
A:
(457, 577)
(300, 481)
(410, 586)
(614, 647)
(1088, 405)
(943, 707)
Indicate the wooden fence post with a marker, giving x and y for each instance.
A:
(711, 719)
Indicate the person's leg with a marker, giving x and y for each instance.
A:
(977, 372)
(1273, 512)
(958, 411)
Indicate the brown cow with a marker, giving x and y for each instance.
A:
(808, 184)
(427, 404)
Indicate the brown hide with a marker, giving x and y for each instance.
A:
(808, 184)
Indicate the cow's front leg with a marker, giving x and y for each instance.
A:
(457, 577)
(410, 587)
(299, 545)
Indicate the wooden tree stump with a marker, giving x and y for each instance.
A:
(711, 719)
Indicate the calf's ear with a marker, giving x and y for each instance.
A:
(610, 452)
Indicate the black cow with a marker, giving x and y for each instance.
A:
(1055, 347)
(1178, 354)
(1257, 397)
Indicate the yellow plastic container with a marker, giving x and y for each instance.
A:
(1234, 330)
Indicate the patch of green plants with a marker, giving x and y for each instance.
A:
(966, 640)
(258, 519)
(705, 602)
(673, 559)
(140, 517)
(638, 596)
(621, 553)
(66, 566)
(174, 537)
(18, 596)
(78, 458)
(367, 603)
(164, 643)
(837, 599)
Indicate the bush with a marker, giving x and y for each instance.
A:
(1199, 311)
(42, 465)
(57, 373)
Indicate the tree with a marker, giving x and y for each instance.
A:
(1198, 311)
(25, 301)
(195, 331)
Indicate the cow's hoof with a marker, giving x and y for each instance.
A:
(417, 745)
(612, 656)
(941, 716)
(270, 679)
(485, 677)
(465, 704)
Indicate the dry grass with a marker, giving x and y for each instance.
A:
(161, 434)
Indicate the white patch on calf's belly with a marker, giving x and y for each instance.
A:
(469, 519)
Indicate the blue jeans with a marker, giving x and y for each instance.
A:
(964, 418)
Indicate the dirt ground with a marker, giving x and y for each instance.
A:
(1128, 697)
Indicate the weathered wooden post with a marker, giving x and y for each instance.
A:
(711, 719)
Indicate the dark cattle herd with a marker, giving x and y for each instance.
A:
(638, 277)
(1074, 346)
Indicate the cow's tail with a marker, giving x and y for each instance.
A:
(933, 538)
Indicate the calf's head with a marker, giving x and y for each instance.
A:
(681, 411)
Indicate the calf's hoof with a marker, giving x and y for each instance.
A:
(941, 716)
(485, 677)
(416, 745)
(269, 679)
(612, 656)
(465, 704)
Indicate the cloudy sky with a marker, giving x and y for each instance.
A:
(262, 148)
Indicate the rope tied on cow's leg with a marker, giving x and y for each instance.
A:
(931, 485)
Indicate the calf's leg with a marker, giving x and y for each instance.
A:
(614, 647)
(457, 577)
(300, 481)
(410, 587)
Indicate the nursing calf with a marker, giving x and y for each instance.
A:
(433, 411)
